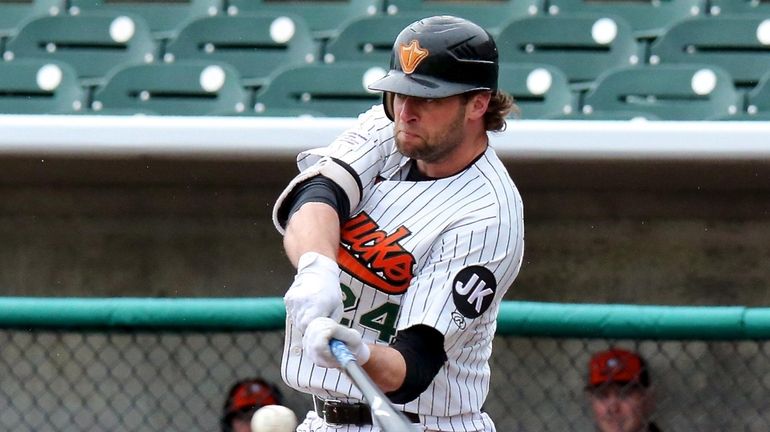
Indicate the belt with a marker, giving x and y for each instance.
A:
(339, 413)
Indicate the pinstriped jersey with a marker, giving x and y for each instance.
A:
(439, 252)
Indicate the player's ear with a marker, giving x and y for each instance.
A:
(477, 105)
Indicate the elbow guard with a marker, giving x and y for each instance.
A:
(334, 169)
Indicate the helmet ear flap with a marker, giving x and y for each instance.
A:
(387, 104)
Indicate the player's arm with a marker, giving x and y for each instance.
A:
(414, 359)
(403, 370)
(311, 214)
(314, 227)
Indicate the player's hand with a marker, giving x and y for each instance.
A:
(321, 331)
(315, 291)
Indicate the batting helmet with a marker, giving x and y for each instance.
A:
(438, 57)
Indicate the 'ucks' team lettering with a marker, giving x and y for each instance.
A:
(456, 242)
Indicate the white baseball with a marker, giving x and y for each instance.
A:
(274, 418)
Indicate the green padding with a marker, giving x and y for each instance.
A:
(268, 313)
(181, 314)
(758, 323)
(632, 321)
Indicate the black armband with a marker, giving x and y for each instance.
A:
(316, 189)
(423, 350)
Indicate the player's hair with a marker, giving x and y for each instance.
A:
(501, 104)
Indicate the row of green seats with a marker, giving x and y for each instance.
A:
(582, 46)
(665, 92)
(165, 18)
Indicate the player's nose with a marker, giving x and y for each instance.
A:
(406, 108)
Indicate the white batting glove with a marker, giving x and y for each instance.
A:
(315, 291)
(321, 331)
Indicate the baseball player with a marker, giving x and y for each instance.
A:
(406, 233)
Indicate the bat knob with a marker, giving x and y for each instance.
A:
(341, 352)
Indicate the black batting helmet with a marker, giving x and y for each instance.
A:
(438, 57)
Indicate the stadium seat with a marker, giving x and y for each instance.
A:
(600, 115)
(325, 18)
(368, 39)
(490, 14)
(648, 18)
(93, 44)
(540, 91)
(738, 44)
(14, 14)
(30, 86)
(746, 7)
(164, 17)
(334, 90)
(180, 88)
(582, 46)
(670, 92)
(758, 99)
(255, 44)
(288, 112)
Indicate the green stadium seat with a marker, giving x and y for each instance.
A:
(325, 18)
(93, 44)
(255, 44)
(180, 88)
(582, 46)
(335, 90)
(758, 99)
(14, 14)
(748, 7)
(164, 17)
(368, 39)
(670, 92)
(540, 91)
(31, 86)
(490, 14)
(288, 112)
(648, 18)
(609, 116)
(738, 44)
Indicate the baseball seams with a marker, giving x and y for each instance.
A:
(455, 243)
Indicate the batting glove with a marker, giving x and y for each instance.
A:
(315, 291)
(321, 331)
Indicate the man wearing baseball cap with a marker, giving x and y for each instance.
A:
(619, 391)
(243, 399)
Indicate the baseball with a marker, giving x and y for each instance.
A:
(273, 418)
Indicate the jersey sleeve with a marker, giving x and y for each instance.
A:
(470, 267)
(353, 160)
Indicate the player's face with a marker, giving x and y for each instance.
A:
(619, 408)
(429, 130)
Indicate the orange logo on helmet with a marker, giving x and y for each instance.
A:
(411, 55)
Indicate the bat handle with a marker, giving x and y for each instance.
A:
(341, 352)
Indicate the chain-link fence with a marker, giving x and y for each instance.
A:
(118, 379)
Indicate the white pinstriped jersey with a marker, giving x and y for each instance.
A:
(436, 252)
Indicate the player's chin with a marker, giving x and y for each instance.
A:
(409, 144)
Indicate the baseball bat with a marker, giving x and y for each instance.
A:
(384, 414)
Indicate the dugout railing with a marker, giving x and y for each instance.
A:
(142, 364)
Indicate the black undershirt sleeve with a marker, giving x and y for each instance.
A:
(315, 189)
(423, 350)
